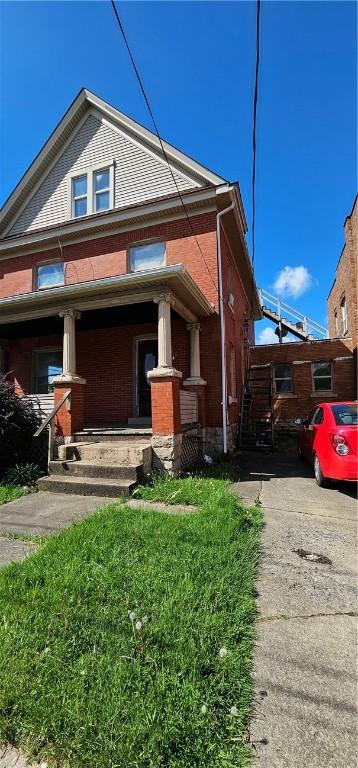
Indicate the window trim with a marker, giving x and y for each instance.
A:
(45, 263)
(138, 244)
(322, 391)
(74, 198)
(282, 378)
(89, 171)
(344, 315)
(34, 364)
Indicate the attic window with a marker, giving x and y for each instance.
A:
(92, 191)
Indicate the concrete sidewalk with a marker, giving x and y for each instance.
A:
(305, 657)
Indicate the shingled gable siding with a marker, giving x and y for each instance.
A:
(139, 175)
(301, 356)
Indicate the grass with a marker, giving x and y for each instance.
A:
(80, 687)
(10, 493)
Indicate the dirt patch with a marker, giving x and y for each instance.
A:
(313, 557)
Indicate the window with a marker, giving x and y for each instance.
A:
(322, 377)
(318, 417)
(283, 378)
(147, 256)
(233, 372)
(79, 196)
(344, 314)
(345, 414)
(336, 329)
(101, 189)
(49, 275)
(92, 191)
(46, 365)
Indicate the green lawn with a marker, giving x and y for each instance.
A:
(10, 493)
(81, 687)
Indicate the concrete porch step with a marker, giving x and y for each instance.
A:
(87, 486)
(74, 468)
(108, 453)
(125, 434)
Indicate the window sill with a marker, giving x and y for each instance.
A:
(326, 393)
(284, 395)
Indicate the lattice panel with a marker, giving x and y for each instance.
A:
(191, 451)
(38, 452)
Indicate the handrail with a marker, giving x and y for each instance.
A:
(279, 305)
(49, 418)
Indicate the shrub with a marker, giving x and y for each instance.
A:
(18, 422)
(22, 474)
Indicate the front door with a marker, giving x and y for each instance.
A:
(147, 360)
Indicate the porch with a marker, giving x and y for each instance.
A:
(130, 360)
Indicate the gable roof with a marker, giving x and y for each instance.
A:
(84, 101)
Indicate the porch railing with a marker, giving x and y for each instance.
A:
(189, 410)
(47, 422)
(42, 404)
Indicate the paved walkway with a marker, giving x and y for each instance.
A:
(305, 657)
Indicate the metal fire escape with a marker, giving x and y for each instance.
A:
(289, 320)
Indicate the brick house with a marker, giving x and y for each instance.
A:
(125, 281)
(305, 373)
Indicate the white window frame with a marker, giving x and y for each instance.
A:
(322, 376)
(74, 198)
(48, 264)
(283, 378)
(91, 193)
(344, 314)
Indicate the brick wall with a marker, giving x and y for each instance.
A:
(301, 355)
(345, 284)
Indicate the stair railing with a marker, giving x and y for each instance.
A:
(303, 322)
(48, 422)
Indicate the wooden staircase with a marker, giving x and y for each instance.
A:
(257, 414)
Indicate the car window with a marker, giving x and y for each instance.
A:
(312, 415)
(318, 416)
(345, 414)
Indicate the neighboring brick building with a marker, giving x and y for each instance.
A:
(342, 298)
(110, 283)
(304, 373)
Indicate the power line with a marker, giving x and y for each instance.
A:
(159, 137)
(257, 67)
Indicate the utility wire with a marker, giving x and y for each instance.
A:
(159, 137)
(257, 67)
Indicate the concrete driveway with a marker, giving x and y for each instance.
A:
(305, 657)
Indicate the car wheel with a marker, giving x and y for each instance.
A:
(320, 478)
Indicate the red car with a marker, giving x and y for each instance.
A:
(329, 440)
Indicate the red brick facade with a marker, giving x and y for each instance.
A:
(345, 283)
(301, 355)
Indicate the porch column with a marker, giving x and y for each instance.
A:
(195, 383)
(70, 418)
(195, 377)
(165, 395)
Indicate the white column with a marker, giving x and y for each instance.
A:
(165, 356)
(69, 346)
(195, 377)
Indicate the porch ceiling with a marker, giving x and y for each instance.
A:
(134, 288)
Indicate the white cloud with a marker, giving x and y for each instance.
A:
(267, 336)
(293, 281)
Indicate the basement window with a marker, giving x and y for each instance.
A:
(282, 375)
(147, 256)
(322, 377)
(49, 275)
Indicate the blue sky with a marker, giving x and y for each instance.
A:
(197, 63)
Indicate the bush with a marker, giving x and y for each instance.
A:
(22, 474)
(18, 423)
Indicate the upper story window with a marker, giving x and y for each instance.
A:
(147, 256)
(344, 313)
(336, 329)
(322, 377)
(282, 374)
(92, 192)
(79, 196)
(49, 275)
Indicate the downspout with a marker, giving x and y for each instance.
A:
(222, 326)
